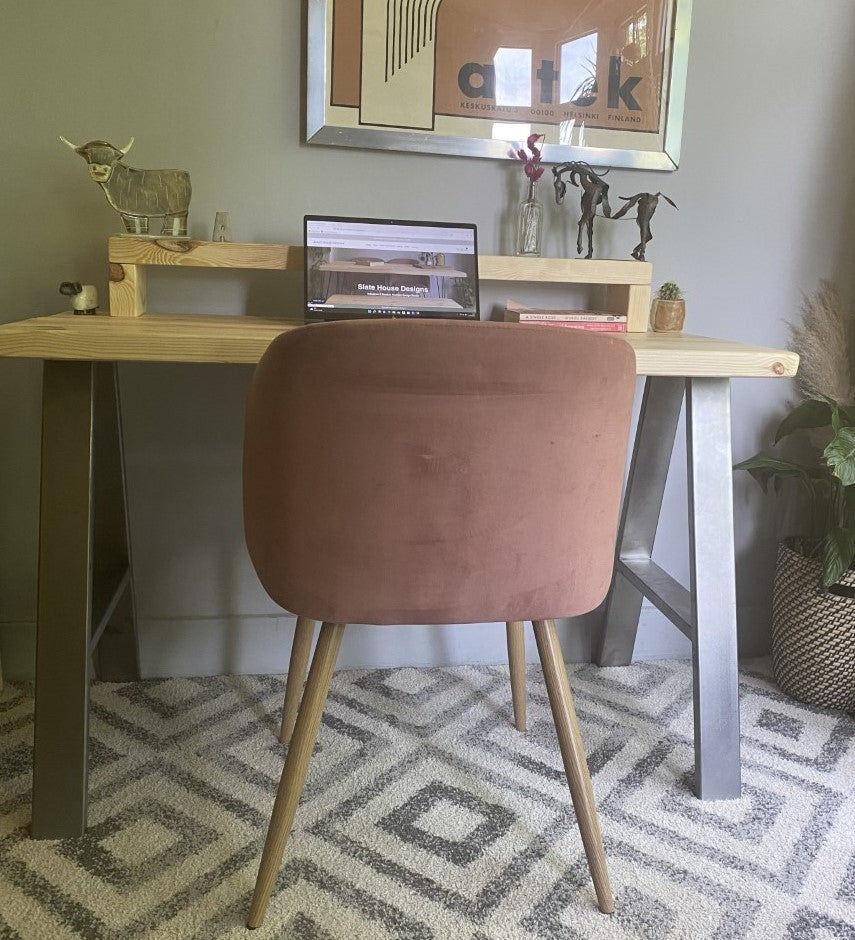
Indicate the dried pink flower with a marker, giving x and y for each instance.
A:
(533, 168)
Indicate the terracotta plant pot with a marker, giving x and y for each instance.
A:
(667, 316)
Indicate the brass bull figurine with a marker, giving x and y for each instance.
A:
(138, 195)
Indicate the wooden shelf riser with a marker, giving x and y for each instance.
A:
(632, 300)
(627, 283)
(182, 252)
(127, 290)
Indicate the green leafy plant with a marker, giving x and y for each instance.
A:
(825, 340)
(669, 291)
(828, 479)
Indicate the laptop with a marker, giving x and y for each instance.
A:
(358, 268)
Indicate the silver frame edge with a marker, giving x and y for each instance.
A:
(317, 132)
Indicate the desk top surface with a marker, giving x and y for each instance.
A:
(243, 339)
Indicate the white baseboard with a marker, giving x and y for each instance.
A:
(261, 644)
(250, 645)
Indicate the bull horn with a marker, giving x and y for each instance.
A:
(130, 144)
(68, 143)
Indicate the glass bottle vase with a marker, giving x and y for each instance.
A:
(530, 224)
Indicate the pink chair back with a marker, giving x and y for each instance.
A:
(400, 472)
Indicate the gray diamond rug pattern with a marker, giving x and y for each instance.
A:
(427, 816)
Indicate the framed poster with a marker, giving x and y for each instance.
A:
(603, 80)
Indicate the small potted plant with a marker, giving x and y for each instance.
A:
(668, 310)
(813, 603)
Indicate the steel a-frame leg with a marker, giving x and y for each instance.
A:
(81, 432)
(706, 613)
(713, 589)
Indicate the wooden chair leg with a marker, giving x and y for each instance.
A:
(303, 633)
(573, 754)
(516, 661)
(296, 767)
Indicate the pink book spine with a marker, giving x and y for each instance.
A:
(535, 316)
(584, 325)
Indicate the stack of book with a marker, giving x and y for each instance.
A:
(599, 320)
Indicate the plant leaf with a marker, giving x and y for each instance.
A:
(764, 467)
(849, 505)
(840, 455)
(838, 551)
(809, 414)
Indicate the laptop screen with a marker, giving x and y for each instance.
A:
(357, 268)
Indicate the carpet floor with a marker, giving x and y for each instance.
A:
(426, 815)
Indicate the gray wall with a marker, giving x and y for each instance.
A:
(765, 196)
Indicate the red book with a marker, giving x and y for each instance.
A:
(592, 325)
(517, 313)
(555, 316)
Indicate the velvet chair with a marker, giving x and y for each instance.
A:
(431, 472)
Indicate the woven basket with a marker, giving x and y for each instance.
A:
(813, 634)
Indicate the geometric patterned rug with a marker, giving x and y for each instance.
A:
(427, 815)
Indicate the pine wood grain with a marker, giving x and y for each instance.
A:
(628, 282)
(515, 630)
(300, 648)
(174, 251)
(199, 254)
(207, 338)
(127, 290)
(573, 755)
(296, 767)
(564, 270)
(633, 300)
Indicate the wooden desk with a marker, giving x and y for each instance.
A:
(161, 337)
(75, 349)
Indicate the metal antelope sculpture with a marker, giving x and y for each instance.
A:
(595, 192)
(646, 204)
(138, 195)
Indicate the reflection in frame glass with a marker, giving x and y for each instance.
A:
(605, 82)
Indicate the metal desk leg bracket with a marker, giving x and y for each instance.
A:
(713, 589)
(645, 486)
(67, 533)
(706, 613)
